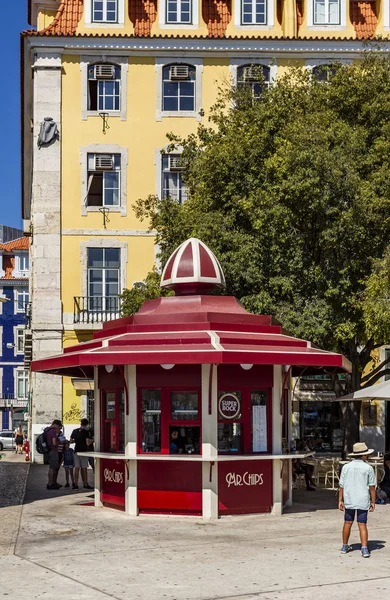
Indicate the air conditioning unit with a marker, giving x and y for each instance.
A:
(252, 73)
(174, 162)
(178, 72)
(104, 71)
(104, 162)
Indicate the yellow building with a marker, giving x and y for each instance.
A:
(103, 82)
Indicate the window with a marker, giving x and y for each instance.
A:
(104, 87)
(19, 340)
(103, 179)
(24, 262)
(151, 421)
(21, 384)
(179, 11)
(22, 299)
(253, 77)
(103, 279)
(104, 11)
(113, 421)
(323, 73)
(253, 12)
(326, 12)
(178, 94)
(172, 185)
(387, 355)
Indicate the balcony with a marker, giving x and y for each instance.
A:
(11, 402)
(97, 309)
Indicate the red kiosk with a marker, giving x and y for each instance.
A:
(192, 399)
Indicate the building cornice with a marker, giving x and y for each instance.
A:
(136, 45)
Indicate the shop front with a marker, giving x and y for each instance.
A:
(192, 399)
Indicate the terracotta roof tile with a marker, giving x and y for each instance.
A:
(18, 244)
(364, 19)
(66, 20)
(217, 14)
(142, 14)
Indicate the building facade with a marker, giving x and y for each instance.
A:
(14, 292)
(103, 82)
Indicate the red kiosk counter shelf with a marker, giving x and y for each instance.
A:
(192, 399)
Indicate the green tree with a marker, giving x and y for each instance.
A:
(132, 300)
(292, 193)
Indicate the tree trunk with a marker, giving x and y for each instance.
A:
(350, 412)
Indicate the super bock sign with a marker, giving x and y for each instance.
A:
(229, 406)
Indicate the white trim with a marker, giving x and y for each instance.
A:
(88, 16)
(266, 62)
(37, 5)
(109, 243)
(22, 289)
(209, 443)
(17, 272)
(186, 26)
(323, 26)
(131, 437)
(215, 47)
(270, 11)
(311, 63)
(110, 232)
(161, 62)
(120, 61)
(386, 14)
(16, 371)
(16, 329)
(103, 149)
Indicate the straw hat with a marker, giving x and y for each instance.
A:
(360, 449)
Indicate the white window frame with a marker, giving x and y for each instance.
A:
(18, 333)
(102, 243)
(25, 382)
(103, 149)
(104, 187)
(311, 63)
(119, 61)
(158, 161)
(270, 16)
(329, 27)
(19, 291)
(163, 62)
(120, 22)
(103, 270)
(163, 17)
(22, 259)
(386, 14)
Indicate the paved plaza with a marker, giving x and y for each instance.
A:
(57, 545)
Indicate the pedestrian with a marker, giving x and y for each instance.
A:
(19, 439)
(82, 438)
(52, 434)
(357, 495)
(68, 464)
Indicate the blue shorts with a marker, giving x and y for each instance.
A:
(349, 515)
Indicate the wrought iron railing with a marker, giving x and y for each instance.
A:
(96, 309)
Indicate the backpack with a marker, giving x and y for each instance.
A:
(41, 444)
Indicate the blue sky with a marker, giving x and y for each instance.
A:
(14, 18)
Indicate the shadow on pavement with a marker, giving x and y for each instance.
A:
(37, 481)
(306, 502)
(372, 544)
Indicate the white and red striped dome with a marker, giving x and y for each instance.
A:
(192, 269)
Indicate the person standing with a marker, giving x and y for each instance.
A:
(52, 433)
(357, 495)
(19, 439)
(68, 464)
(82, 438)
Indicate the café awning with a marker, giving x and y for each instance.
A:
(379, 391)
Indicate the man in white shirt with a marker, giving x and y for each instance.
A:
(357, 495)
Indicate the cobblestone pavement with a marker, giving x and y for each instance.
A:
(13, 478)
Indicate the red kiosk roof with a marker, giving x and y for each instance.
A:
(192, 330)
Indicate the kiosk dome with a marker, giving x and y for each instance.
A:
(192, 269)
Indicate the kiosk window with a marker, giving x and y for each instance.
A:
(185, 406)
(259, 421)
(114, 421)
(229, 437)
(151, 421)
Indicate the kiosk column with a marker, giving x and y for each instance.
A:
(209, 442)
(97, 434)
(277, 440)
(131, 503)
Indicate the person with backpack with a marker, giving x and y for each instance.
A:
(82, 438)
(51, 437)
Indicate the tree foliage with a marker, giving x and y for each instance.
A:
(132, 300)
(292, 193)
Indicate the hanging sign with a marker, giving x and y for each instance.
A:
(229, 406)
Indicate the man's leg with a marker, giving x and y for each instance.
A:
(51, 476)
(76, 475)
(84, 475)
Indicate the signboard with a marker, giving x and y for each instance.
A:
(259, 428)
(245, 486)
(113, 482)
(229, 406)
